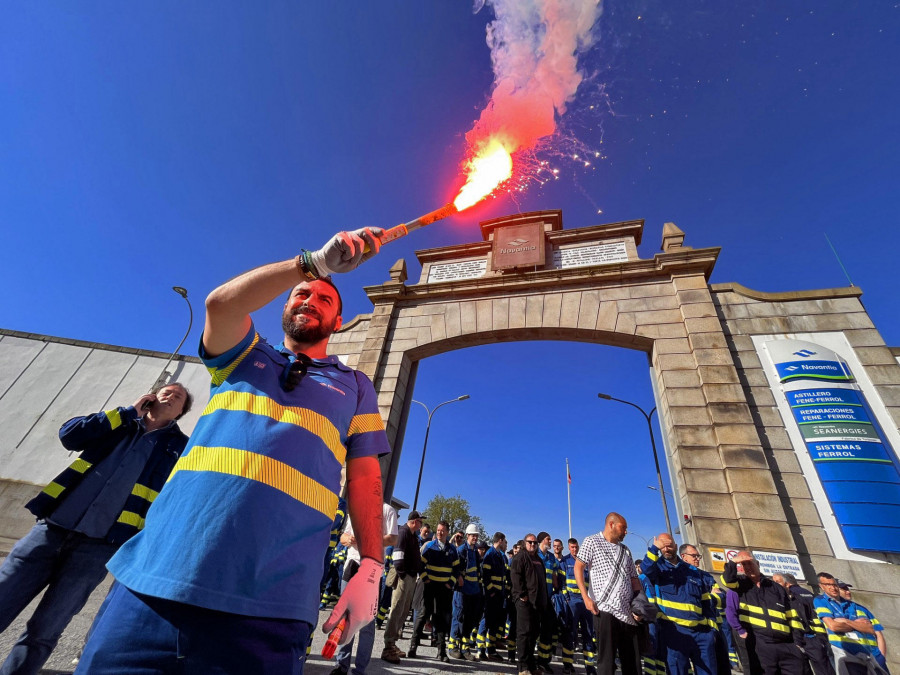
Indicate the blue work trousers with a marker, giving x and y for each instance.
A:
(683, 646)
(137, 635)
(494, 618)
(583, 624)
(365, 640)
(467, 613)
(70, 565)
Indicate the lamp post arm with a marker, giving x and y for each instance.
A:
(633, 405)
(162, 376)
(662, 494)
(425, 444)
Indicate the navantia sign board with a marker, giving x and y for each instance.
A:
(856, 464)
(518, 246)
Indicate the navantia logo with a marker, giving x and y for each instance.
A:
(805, 353)
(517, 242)
(792, 368)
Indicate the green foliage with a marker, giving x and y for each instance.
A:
(456, 511)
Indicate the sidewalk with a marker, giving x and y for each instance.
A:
(425, 664)
(60, 662)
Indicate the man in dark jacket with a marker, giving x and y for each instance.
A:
(529, 593)
(774, 633)
(408, 563)
(815, 639)
(86, 513)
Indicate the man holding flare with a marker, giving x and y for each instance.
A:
(224, 576)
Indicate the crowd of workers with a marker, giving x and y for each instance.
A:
(663, 614)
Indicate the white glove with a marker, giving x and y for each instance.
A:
(346, 251)
(359, 600)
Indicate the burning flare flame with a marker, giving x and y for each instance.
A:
(489, 167)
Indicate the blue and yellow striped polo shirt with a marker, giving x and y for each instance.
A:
(243, 522)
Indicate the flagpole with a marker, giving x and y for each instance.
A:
(569, 495)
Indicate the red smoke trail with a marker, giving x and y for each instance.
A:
(535, 45)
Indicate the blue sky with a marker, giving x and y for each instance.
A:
(144, 145)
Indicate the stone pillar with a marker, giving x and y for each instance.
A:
(716, 454)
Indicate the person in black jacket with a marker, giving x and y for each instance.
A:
(408, 563)
(767, 613)
(815, 639)
(86, 513)
(529, 593)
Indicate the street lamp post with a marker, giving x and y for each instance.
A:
(162, 376)
(425, 444)
(647, 416)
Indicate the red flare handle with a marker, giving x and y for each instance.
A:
(333, 638)
(403, 229)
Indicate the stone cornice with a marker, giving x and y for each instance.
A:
(551, 217)
(661, 268)
(626, 228)
(787, 296)
(594, 233)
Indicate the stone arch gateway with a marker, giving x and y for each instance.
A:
(741, 468)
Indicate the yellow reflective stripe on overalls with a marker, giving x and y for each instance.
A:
(80, 465)
(435, 568)
(751, 620)
(682, 622)
(319, 425)
(683, 606)
(54, 489)
(144, 492)
(266, 470)
(115, 419)
(131, 518)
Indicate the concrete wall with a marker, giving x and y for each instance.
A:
(45, 381)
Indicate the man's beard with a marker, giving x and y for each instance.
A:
(306, 333)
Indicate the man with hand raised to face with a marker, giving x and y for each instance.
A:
(686, 609)
(86, 513)
(224, 576)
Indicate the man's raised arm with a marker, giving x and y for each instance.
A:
(229, 306)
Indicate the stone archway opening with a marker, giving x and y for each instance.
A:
(534, 405)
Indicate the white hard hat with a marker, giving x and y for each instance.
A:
(472, 529)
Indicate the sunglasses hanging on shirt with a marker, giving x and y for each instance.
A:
(295, 372)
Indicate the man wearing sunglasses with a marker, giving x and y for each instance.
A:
(224, 576)
(529, 593)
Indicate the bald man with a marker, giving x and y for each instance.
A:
(687, 612)
(614, 581)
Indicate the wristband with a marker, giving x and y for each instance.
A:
(305, 268)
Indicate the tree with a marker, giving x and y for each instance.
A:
(456, 511)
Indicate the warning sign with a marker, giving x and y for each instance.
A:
(718, 559)
(730, 553)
